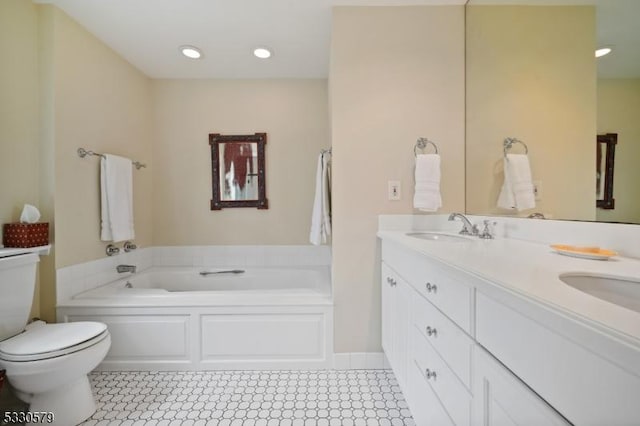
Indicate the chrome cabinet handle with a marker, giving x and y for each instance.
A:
(430, 374)
(431, 331)
(431, 288)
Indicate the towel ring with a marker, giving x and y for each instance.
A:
(422, 143)
(508, 142)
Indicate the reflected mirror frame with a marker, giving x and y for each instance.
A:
(215, 139)
(609, 142)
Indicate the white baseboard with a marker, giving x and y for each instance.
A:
(360, 361)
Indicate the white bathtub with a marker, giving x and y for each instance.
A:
(180, 285)
(174, 318)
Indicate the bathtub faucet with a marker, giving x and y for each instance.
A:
(126, 268)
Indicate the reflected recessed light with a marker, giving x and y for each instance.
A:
(191, 52)
(603, 51)
(262, 53)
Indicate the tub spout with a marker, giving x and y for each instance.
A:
(126, 268)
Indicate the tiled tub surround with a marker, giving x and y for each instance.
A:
(250, 398)
(75, 279)
(501, 300)
(263, 325)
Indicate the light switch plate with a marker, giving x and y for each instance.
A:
(537, 189)
(394, 190)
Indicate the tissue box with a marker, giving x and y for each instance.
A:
(25, 234)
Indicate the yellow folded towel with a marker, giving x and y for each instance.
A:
(578, 249)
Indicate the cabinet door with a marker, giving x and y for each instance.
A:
(401, 327)
(501, 399)
(388, 302)
(396, 305)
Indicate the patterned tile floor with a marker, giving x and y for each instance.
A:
(250, 398)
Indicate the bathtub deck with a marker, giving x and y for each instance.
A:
(326, 397)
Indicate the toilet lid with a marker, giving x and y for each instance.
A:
(41, 341)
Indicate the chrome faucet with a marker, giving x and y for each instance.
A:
(468, 228)
(126, 268)
(487, 231)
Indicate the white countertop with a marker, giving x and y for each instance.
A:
(531, 270)
(14, 251)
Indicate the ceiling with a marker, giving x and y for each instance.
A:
(148, 33)
(297, 31)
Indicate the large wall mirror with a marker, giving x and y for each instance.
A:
(238, 171)
(532, 74)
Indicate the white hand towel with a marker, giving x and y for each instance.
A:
(116, 196)
(427, 195)
(517, 189)
(321, 214)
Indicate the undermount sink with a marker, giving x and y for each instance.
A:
(622, 291)
(437, 236)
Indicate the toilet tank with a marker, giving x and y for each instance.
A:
(17, 284)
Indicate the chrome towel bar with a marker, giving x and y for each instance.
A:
(83, 153)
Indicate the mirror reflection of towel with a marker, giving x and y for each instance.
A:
(517, 191)
(238, 154)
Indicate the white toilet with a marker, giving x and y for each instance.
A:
(47, 364)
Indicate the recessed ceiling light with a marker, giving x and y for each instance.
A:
(603, 51)
(262, 53)
(191, 52)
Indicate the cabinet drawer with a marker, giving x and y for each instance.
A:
(454, 396)
(443, 286)
(423, 403)
(582, 386)
(453, 345)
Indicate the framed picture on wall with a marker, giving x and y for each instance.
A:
(238, 171)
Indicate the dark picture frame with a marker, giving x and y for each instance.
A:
(220, 161)
(608, 142)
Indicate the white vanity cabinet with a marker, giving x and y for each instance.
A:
(470, 352)
(433, 353)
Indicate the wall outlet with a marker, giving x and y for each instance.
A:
(537, 189)
(394, 190)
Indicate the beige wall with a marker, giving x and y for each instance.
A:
(397, 73)
(19, 113)
(101, 103)
(18, 108)
(618, 108)
(531, 74)
(293, 113)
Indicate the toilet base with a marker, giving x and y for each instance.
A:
(70, 404)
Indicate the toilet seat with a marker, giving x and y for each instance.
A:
(44, 341)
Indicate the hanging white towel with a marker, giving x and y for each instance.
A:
(116, 199)
(321, 214)
(427, 195)
(517, 190)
